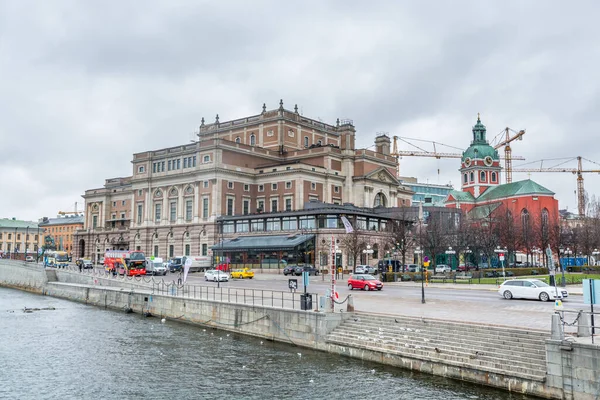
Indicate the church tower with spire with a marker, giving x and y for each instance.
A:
(480, 163)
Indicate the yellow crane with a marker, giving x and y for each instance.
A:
(507, 150)
(579, 171)
(424, 153)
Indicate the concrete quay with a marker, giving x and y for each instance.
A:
(518, 360)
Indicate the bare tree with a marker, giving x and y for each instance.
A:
(402, 233)
(433, 237)
(507, 232)
(353, 243)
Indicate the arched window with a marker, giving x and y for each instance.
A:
(493, 177)
(252, 140)
(482, 176)
(465, 178)
(545, 217)
(472, 176)
(305, 141)
(238, 140)
(524, 218)
(380, 200)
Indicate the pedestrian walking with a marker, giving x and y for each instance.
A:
(80, 266)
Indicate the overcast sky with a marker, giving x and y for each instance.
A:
(85, 84)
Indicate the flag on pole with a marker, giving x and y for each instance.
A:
(186, 268)
(347, 225)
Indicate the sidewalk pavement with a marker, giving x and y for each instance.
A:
(572, 289)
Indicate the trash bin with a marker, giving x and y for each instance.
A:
(306, 301)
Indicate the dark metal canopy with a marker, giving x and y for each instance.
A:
(263, 243)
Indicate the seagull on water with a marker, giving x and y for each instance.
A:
(163, 320)
(299, 354)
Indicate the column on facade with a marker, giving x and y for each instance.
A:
(299, 199)
(181, 204)
(196, 206)
(149, 207)
(164, 217)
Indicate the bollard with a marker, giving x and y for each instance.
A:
(584, 328)
(350, 306)
(557, 329)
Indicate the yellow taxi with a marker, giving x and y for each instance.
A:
(242, 273)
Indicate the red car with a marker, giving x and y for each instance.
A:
(364, 282)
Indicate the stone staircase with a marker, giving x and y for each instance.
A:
(495, 349)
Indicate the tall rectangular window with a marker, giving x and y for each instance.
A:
(230, 206)
(157, 212)
(171, 250)
(178, 163)
(155, 251)
(185, 162)
(205, 207)
(94, 222)
(204, 249)
(154, 167)
(288, 204)
(169, 165)
(173, 211)
(187, 249)
(140, 213)
(274, 205)
(194, 161)
(162, 166)
(246, 207)
(188, 210)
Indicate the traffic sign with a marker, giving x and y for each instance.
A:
(426, 263)
(425, 259)
(501, 257)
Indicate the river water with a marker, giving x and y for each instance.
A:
(84, 352)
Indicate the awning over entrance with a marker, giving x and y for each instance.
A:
(263, 243)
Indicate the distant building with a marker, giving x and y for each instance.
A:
(427, 193)
(18, 238)
(275, 161)
(62, 230)
(481, 192)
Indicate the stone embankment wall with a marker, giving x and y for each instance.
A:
(572, 369)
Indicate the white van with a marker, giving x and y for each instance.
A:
(155, 266)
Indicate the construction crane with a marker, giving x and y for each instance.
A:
(71, 212)
(508, 150)
(579, 171)
(424, 153)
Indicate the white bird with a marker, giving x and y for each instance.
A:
(372, 371)
(228, 335)
(426, 340)
(299, 354)
(220, 338)
(261, 342)
(408, 330)
(163, 320)
(211, 334)
(311, 381)
(203, 330)
(406, 345)
(243, 366)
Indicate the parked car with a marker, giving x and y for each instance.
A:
(155, 266)
(442, 269)
(87, 264)
(242, 273)
(216, 275)
(413, 268)
(530, 289)
(289, 270)
(306, 268)
(364, 282)
(29, 259)
(364, 269)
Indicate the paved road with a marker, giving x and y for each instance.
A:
(462, 302)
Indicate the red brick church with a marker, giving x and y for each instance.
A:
(481, 192)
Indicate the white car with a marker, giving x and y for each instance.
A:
(442, 269)
(530, 289)
(216, 276)
(364, 269)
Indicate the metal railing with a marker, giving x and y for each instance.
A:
(579, 323)
(254, 297)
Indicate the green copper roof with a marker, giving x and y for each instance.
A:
(480, 147)
(263, 243)
(483, 211)
(461, 196)
(514, 189)
(15, 223)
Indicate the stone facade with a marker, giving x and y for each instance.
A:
(275, 161)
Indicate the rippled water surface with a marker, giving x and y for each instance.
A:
(83, 352)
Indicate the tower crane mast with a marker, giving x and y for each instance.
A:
(579, 171)
(508, 151)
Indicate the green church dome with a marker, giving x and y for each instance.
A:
(480, 148)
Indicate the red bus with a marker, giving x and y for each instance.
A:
(130, 263)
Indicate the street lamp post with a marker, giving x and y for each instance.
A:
(367, 251)
(419, 252)
(450, 253)
(500, 253)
